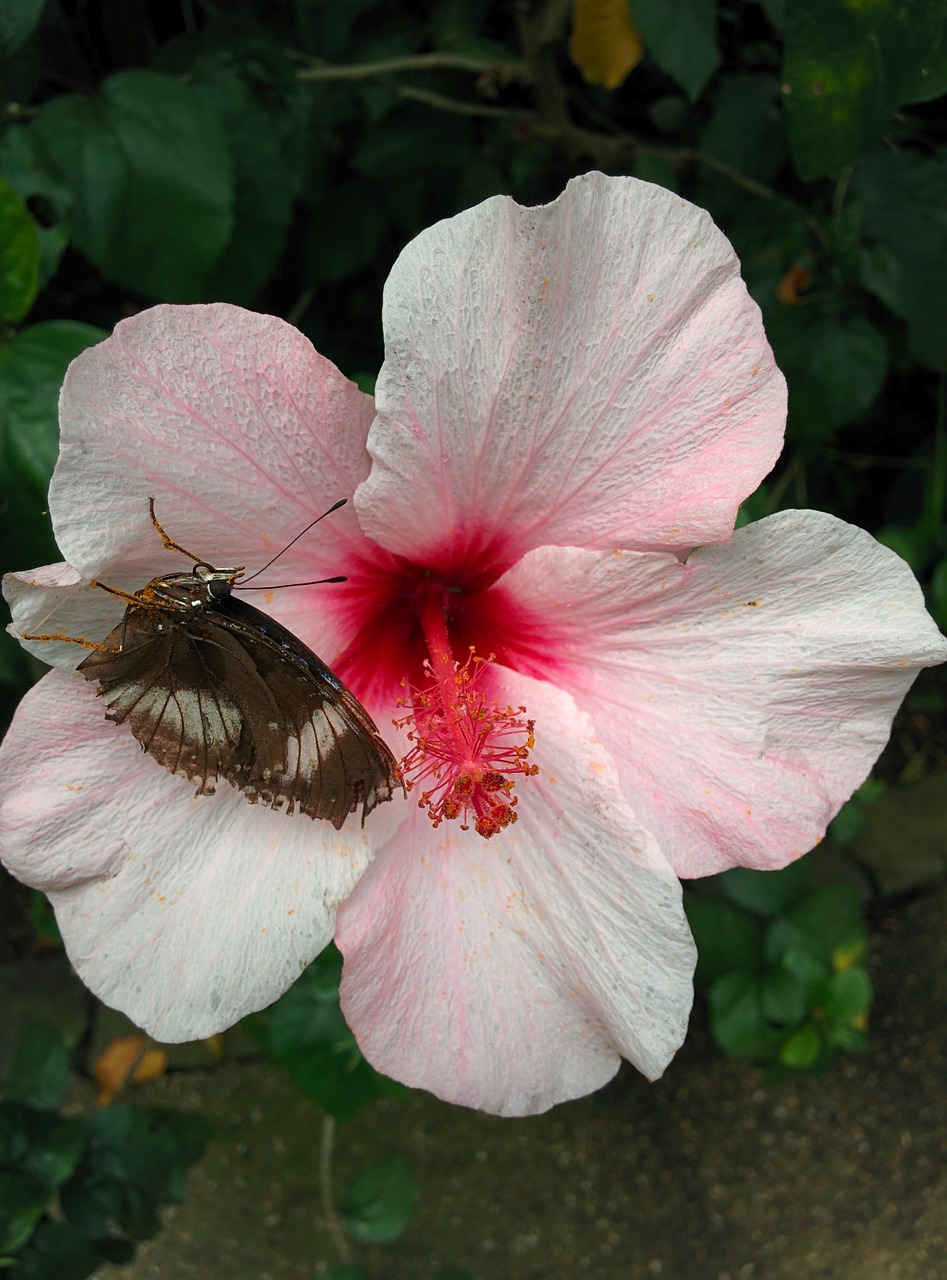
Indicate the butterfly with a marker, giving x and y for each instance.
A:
(213, 688)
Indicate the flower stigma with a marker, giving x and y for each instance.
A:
(463, 744)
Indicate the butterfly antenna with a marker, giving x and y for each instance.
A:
(318, 582)
(335, 506)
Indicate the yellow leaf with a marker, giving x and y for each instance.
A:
(605, 45)
(126, 1058)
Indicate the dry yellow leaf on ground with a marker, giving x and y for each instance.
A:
(128, 1056)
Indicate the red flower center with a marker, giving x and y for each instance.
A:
(465, 748)
(464, 745)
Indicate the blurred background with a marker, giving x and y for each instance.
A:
(280, 155)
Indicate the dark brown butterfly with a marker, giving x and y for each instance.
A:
(214, 688)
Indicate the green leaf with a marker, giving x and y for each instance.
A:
(790, 950)
(783, 938)
(831, 917)
(848, 67)
(19, 256)
(43, 918)
(745, 131)
(40, 1070)
(727, 938)
(308, 1036)
(348, 1272)
(846, 824)
(851, 1039)
(378, 1205)
(682, 39)
(23, 1202)
(848, 998)
(264, 186)
(766, 892)
(32, 180)
(413, 140)
(151, 178)
(133, 1163)
(835, 366)
(939, 593)
(905, 226)
(346, 231)
(57, 1251)
(32, 368)
(803, 1048)
(44, 1144)
(783, 998)
(737, 1021)
(18, 20)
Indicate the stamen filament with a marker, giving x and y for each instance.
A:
(461, 739)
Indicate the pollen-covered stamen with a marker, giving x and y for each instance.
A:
(464, 745)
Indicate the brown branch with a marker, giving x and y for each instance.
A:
(542, 25)
(440, 102)
(506, 71)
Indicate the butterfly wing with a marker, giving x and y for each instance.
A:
(228, 693)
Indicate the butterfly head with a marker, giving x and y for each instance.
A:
(203, 587)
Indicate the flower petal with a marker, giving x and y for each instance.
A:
(56, 599)
(241, 431)
(239, 427)
(744, 694)
(513, 975)
(186, 912)
(590, 372)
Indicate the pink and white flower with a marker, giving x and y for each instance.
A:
(573, 399)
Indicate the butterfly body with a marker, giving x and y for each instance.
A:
(213, 688)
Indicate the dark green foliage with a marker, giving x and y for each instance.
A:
(378, 1205)
(106, 1175)
(305, 1032)
(281, 156)
(781, 965)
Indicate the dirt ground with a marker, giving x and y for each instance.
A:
(708, 1174)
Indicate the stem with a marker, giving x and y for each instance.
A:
(511, 70)
(440, 102)
(325, 1191)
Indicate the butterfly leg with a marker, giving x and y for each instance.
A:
(169, 545)
(86, 644)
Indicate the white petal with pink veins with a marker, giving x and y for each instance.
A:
(591, 372)
(513, 974)
(186, 912)
(744, 694)
(240, 429)
(244, 435)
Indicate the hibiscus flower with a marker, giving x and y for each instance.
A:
(542, 575)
